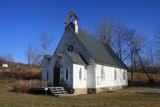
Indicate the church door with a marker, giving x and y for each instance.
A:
(56, 78)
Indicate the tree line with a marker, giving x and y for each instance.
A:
(138, 52)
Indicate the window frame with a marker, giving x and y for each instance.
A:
(115, 74)
(80, 74)
(102, 74)
(70, 48)
(67, 74)
(85, 74)
(124, 75)
(47, 75)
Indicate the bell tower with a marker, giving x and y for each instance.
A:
(72, 20)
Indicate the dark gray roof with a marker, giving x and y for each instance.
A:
(75, 58)
(100, 53)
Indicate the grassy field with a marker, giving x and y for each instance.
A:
(129, 97)
(142, 77)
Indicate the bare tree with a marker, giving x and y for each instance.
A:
(32, 56)
(118, 41)
(29, 53)
(136, 44)
(105, 31)
(8, 57)
(36, 58)
(45, 43)
(157, 53)
(113, 32)
(151, 54)
(157, 37)
(84, 30)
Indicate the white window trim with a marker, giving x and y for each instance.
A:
(85, 74)
(124, 75)
(115, 74)
(102, 74)
(80, 74)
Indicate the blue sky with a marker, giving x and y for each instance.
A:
(22, 21)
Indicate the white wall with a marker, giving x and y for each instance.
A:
(109, 78)
(79, 81)
(91, 81)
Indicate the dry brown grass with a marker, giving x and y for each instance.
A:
(26, 85)
(21, 72)
(142, 77)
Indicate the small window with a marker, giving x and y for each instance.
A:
(85, 73)
(47, 75)
(66, 74)
(70, 48)
(115, 74)
(80, 74)
(124, 75)
(102, 74)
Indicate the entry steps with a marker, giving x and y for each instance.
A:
(57, 91)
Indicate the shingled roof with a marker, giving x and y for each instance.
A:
(75, 58)
(101, 54)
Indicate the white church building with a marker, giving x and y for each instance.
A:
(81, 64)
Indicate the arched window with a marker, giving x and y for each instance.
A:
(124, 75)
(80, 74)
(70, 48)
(115, 74)
(85, 74)
(102, 74)
(47, 75)
(66, 74)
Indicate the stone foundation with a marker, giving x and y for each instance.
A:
(91, 90)
(80, 91)
(105, 89)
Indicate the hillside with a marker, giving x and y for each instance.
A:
(20, 72)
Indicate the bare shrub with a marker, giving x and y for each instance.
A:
(26, 85)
